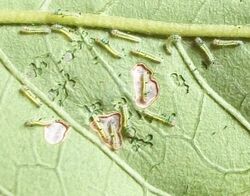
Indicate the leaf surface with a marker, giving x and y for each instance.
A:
(206, 153)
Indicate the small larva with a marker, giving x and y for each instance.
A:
(105, 44)
(67, 13)
(170, 43)
(219, 42)
(125, 115)
(146, 55)
(61, 29)
(169, 121)
(34, 30)
(143, 87)
(31, 96)
(32, 123)
(114, 137)
(205, 49)
(126, 36)
(99, 128)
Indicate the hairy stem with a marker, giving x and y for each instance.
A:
(127, 24)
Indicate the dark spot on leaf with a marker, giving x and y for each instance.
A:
(140, 142)
(44, 64)
(148, 119)
(180, 81)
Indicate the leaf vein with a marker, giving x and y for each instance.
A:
(81, 129)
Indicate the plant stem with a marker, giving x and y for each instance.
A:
(126, 24)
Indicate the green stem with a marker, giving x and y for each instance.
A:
(127, 24)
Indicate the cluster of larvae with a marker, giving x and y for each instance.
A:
(109, 126)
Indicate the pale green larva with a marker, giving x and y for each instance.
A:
(206, 50)
(35, 30)
(117, 33)
(105, 44)
(146, 55)
(168, 121)
(31, 96)
(61, 29)
(220, 42)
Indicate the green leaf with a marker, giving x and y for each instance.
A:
(206, 153)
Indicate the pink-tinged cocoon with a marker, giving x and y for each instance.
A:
(151, 86)
(106, 122)
(55, 133)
